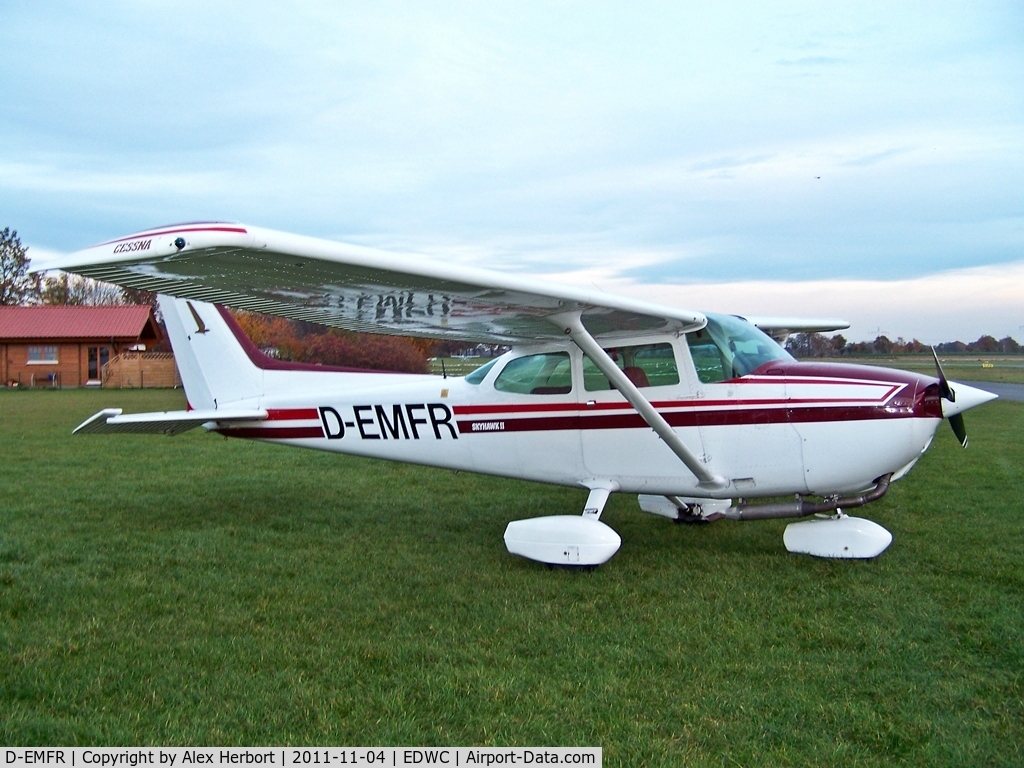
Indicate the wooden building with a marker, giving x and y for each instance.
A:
(64, 346)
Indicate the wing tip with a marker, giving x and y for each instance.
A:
(96, 421)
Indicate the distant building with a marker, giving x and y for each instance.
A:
(65, 346)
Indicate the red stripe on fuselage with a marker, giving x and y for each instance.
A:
(709, 418)
(272, 433)
(469, 410)
(292, 414)
(175, 231)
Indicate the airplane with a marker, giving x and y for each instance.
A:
(703, 416)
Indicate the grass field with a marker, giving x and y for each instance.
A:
(195, 590)
(456, 366)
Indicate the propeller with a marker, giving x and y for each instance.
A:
(956, 420)
(957, 401)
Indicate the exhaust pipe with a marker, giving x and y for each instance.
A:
(801, 508)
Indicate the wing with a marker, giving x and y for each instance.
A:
(356, 288)
(781, 327)
(166, 423)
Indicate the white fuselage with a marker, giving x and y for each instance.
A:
(790, 428)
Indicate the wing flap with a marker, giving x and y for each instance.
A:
(359, 289)
(111, 421)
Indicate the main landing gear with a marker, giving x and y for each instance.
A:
(567, 540)
(584, 541)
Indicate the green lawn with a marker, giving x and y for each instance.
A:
(456, 366)
(195, 590)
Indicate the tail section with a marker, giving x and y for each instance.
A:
(214, 367)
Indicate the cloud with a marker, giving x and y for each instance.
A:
(960, 304)
(955, 305)
(744, 143)
(811, 61)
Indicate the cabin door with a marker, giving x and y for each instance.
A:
(745, 424)
(617, 442)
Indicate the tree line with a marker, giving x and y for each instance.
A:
(819, 345)
(280, 338)
(18, 286)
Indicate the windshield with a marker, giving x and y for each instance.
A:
(728, 347)
(480, 373)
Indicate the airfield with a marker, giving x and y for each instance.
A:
(198, 590)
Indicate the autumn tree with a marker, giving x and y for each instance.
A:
(365, 350)
(814, 345)
(1009, 346)
(79, 291)
(17, 286)
(311, 343)
(882, 345)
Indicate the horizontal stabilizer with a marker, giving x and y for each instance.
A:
(110, 420)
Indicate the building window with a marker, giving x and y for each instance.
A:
(42, 354)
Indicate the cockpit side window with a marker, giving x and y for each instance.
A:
(707, 357)
(646, 365)
(729, 347)
(546, 374)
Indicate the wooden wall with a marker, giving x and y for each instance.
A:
(70, 370)
(135, 370)
(125, 369)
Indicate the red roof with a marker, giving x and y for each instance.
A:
(62, 322)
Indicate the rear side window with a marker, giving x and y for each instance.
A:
(547, 374)
(646, 365)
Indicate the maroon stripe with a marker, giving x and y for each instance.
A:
(541, 424)
(735, 417)
(809, 380)
(468, 410)
(291, 414)
(240, 230)
(835, 372)
(272, 433)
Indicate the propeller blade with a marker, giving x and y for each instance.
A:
(945, 390)
(953, 411)
(956, 420)
(957, 423)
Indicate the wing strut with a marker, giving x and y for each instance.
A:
(572, 325)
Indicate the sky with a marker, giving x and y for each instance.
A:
(865, 162)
